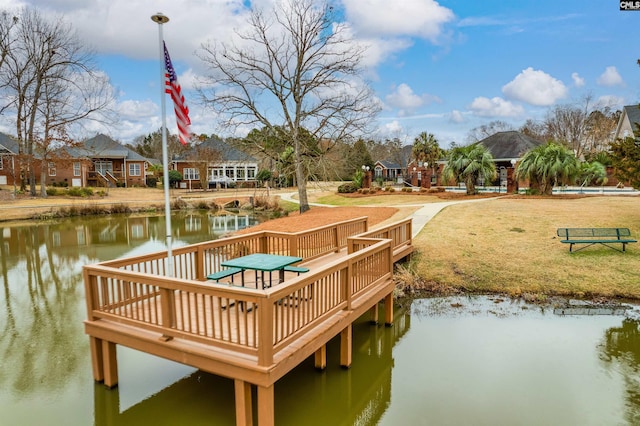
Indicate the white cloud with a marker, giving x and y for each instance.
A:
(535, 87)
(376, 50)
(377, 18)
(577, 80)
(495, 107)
(456, 116)
(406, 100)
(392, 128)
(610, 77)
(137, 109)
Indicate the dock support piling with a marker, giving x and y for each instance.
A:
(244, 415)
(373, 319)
(266, 410)
(320, 358)
(346, 346)
(110, 364)
(388, 310)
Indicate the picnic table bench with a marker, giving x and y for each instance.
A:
(591, 236)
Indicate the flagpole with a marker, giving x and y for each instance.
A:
(160, 19)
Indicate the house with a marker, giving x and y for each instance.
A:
(387, 170)
(98, 162)
(507, 148)
(8, 163)
(223, 164)
(628, 122)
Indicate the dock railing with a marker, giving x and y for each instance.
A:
(258, 323)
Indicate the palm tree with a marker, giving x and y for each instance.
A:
(426, 149)
(592, 171)
(546, 166)
(468, 164)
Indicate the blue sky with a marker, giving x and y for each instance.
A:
(443, 67)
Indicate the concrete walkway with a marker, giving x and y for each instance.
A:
(420, 217)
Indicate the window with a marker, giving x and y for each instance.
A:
(240, 174)
(76, 169)
(230, 174)
(52, 169)
(134, 169)
(251, 173)
(191, 174)
(1, 162)
(104, 167)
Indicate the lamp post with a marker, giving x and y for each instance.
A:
(366, 183)
(514, 181)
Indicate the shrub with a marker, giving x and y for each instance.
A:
(75, 192)
(120, 208)
(202, 205)
(52, 191)
(179, 204)
(347, 188)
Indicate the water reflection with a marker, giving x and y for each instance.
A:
(620, 352)
(43, 349)
(357, 396)
(445, 361)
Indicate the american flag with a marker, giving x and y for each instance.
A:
(172, 87)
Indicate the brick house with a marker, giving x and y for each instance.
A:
(223, 164)
(8, 161)
(98, 162)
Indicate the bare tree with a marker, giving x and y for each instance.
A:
(295, 68)
(51, 83)
(202, 157)
(535, 129)
(484, 131)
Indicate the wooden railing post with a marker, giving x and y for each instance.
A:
(265, 327)
(199, 263)
(167, 302)
(346, 284)
(293, 245)
(336, 238)
(264, 246)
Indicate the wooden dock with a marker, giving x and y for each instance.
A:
(250, 335)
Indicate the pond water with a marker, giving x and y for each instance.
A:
(445, 361)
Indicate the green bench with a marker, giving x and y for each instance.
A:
(229, 272)
(297, 269)
(591, 236)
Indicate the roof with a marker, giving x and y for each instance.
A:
(633, 112)
(509, 145)
(227, 151)
(389, 164)
(8, 145)
(103, 146)
(630, 113)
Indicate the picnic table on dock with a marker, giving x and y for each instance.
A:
(262, 262)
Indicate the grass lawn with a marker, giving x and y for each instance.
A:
(509, 245)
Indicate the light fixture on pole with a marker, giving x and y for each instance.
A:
(160, 19)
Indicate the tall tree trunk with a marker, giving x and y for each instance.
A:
(301, 178)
